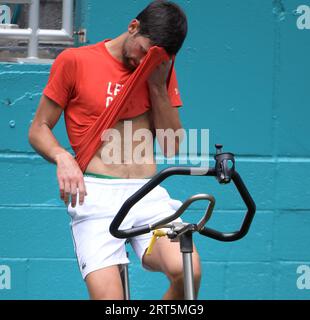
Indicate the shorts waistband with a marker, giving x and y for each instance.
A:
(99, 176)
(112, 180)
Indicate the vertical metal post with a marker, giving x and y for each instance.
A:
(67, 16)
(189, 290)
(125, 281)
(186, 246)
(34, 13)
(125, 278)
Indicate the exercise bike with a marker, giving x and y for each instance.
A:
(225, 172)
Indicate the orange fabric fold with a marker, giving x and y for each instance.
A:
(92, 140)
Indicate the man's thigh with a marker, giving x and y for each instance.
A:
(105, 284)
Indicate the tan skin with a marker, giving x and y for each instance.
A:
(105, 283)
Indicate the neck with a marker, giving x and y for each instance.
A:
(115, 46)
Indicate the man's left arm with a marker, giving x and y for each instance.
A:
(165, 117)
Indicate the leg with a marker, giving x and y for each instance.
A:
(98, 252)
(167, 258)
(105, 284)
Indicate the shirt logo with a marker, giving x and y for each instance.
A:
(112, 91)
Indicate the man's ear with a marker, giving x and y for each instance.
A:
(134, 26)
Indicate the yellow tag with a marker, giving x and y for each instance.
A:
(156, 234)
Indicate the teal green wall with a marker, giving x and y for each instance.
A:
(244, 74)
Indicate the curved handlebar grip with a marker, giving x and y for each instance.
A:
(233, 236)
(208, 212)
(184, 206)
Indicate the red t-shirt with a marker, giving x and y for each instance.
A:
(83, 81)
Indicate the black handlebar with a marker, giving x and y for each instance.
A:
(224, 171)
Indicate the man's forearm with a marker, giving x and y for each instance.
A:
(44, 142)
(165, 117)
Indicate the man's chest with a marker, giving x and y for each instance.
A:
(97, 91)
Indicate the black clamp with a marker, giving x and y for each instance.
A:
(224, 165)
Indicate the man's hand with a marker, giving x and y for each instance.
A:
(159, 76)
(70, 179)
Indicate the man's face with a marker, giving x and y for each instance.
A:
(134, 50)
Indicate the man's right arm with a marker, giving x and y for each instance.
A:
(69, 175)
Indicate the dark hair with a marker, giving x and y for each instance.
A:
(165, 24)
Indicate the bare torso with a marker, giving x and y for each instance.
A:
(125, 168)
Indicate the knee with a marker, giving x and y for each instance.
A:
(176, 275)
(97, 293)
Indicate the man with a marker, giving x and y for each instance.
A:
(83, 83)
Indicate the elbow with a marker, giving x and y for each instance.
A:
(31, 136)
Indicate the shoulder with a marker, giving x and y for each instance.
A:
(85, 51)
(77, 52)
(66, 57)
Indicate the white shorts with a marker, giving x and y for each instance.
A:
(95, 247)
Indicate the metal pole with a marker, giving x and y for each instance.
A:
(67, 16)
(189, 290)
(186, 246)
(34, 26)
(125, 281)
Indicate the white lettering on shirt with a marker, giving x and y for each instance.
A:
(112, 91)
